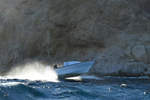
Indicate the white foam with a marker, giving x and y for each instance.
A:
(33, 71)
(84, 77)
(11, 84)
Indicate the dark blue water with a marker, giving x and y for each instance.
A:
(107, 89)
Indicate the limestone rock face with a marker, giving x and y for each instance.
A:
(139, 52)
(61, 30)
(110, 62)
(114, 62)
(148, 53)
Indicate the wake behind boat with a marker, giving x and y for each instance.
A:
(74, 69)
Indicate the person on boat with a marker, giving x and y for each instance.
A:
(55, 66)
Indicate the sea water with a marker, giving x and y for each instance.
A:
(109, 88)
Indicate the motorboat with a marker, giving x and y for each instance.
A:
(74, 69)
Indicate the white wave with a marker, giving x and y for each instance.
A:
(11, 84)
(33, 71)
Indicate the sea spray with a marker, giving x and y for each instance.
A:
(32, 71)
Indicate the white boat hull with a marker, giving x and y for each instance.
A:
(74, 69)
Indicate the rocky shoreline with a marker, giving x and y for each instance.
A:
(116, 62)
(113, 32)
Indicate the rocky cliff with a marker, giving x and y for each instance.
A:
(114, 32)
